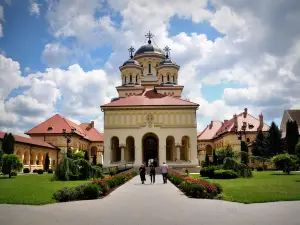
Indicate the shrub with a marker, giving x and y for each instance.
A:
(50, 171)
(285, 162)
(251, 168)
(230, 164)
(225, 174)
(259, 168)
(26, 170)
(194, 187)
(35, 171)
(91, 191)
(66, 194)
(209, 171)
(11, 162)
(13, 173)
(40, 171)
(219, 188)
(243, 170)
(224, 152)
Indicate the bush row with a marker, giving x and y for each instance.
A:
(92, 190)
(229, 170)
(194, 188)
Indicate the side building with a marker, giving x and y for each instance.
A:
(242, 127)
(54, 136)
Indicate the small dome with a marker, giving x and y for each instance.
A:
(131, 62)
(149, 48)
(167, 61)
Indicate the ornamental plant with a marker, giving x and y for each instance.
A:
(285, 162)
(192, 187)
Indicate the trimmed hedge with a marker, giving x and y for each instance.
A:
(194, 188)
(50, 171)
(225, 174)
(40, 171)
(26, 170)
(93, 190)
(209, 171)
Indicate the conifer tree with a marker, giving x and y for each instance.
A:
(8, 144)
(272, 141)
(258, 145)
(292, 136)
(47, 162)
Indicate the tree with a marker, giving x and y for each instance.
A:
(297, 151)
(285, 162)
(272, 141)
(215, 159)
(1, 158)
(69, 153)
(95, 160)
(292, 136)
(258, 145)
(47, 162)
(244, 153)
(11, 162)
(206, 160)
(8, 144)
(224, 152)
(86, 156)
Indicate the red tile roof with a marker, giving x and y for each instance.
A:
(210, 130)
(27, 140)
(217, 128)
(150, 98)
(57, 123)
(92, 133)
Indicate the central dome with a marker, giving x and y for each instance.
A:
(149, 48)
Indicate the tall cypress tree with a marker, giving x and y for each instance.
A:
(258, 145)
(8, 144)
(47, 162)
(206, 160)
(292, 136)
(272, 141)
(215, 160)
(244, 155)
(86, 156)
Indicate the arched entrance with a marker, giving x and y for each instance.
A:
(150, 147)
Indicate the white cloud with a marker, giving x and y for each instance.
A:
(1, 20)
(56, 54)
(34, 8)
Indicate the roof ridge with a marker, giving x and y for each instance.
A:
(43, 122)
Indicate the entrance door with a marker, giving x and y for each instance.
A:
(150, 146)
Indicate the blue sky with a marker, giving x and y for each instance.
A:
(93, 38)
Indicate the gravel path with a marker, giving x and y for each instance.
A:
(159, 204)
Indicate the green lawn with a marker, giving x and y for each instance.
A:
(31, 189)
(263, 187)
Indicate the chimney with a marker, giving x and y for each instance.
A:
(225, 121)
(235, 120)
(245, 112)
(211, 124)
(261, 121)
(91, 124)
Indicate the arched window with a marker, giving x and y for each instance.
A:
(162, 78)
(136, 78)
(130, 79)
(173, 79)
(149, 68)
(168, 77)
(125, 80)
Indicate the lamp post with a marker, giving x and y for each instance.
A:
(68, 137)
(240, 133)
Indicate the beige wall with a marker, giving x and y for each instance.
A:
(164, 123)
(38, 155)
(77, 143)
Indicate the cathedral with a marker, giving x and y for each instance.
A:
(149, 120)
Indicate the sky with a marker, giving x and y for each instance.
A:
(62, 56)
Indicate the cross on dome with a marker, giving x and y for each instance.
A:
(131, 50)
(149, 35)
(167, 50)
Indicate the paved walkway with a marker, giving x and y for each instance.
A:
(159, 204)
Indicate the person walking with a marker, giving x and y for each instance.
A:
(143, 173)
(152, 173)
(164, 171)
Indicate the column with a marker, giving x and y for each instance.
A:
(138, 156)
(122, 153)
(178, 152)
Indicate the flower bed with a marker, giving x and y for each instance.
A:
(193, 187)
(94, 189)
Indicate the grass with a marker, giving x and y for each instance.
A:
(263, 187)
(31, 189)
